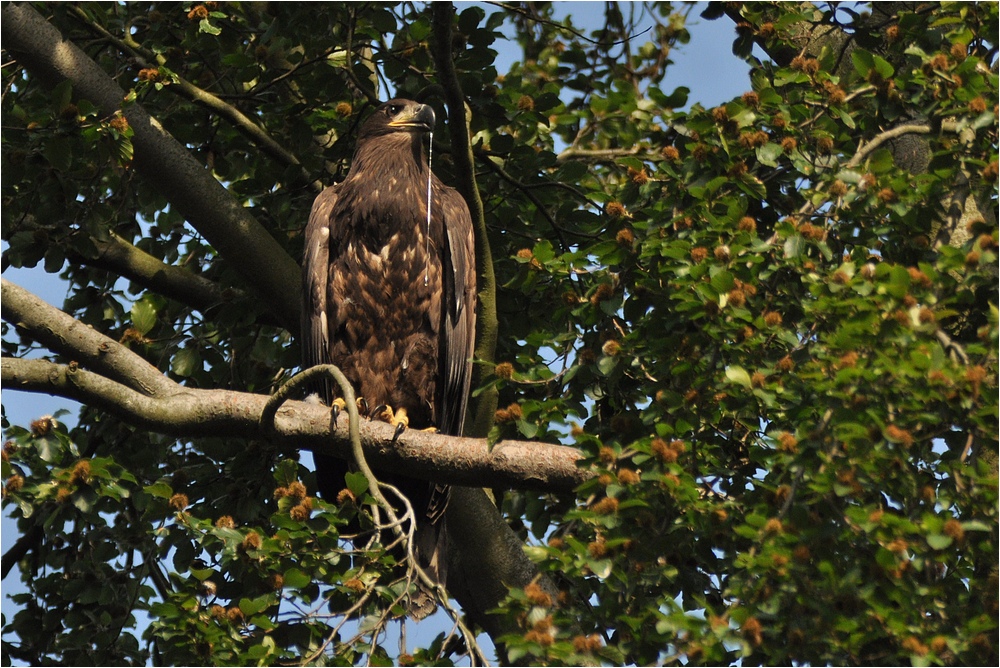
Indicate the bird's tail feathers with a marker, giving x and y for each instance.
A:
(431, 549)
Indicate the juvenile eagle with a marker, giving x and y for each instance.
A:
(391, 302)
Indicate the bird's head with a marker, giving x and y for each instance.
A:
(398, 115)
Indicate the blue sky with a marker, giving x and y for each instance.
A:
(706, 66)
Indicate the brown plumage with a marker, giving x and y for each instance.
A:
(394, 309)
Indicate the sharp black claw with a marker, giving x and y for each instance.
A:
(377, 411)
(400, 428)
(363, 407)
(335, 413)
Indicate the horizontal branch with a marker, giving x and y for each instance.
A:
(866, 149)
(107, 375)
(596, 154)
(194, 413)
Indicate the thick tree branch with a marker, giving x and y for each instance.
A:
(487, 556)
(488, 546)
(192, 413)
(109, 376)
(599, 154)
(867, 149)
(190, 188)
(118, 255)
(115, 254)
(20, 548)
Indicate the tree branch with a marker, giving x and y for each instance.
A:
(864, 150)
(193, 413)
(126, 260)
(109, 376)
(20, 548)
(598, 154)
(187, 185)
(534, 200)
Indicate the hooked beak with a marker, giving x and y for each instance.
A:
(420, 117)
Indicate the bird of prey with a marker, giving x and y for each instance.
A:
(389, 296)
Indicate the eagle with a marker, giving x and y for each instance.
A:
(389, 296)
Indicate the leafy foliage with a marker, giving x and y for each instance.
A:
(770, 326)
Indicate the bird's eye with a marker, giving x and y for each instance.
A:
(395, 109)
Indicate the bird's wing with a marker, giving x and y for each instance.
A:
(459, 312)
(315, 276)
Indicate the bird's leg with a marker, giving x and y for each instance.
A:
(398, 418)
(339, 404)
(336, 406)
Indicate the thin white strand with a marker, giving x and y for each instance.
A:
(427, 237)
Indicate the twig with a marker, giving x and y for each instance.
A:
(364, 89)
(333, 633)
(395, 522)
(514, 9)
(347, 393)
(864, 150)
(488, 155)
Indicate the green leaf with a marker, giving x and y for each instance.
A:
(59, 153)
(881, 161)
(252, 606)
(845, 117)
(607, 364)
(738, 375)
(723, 281)
(286, 472)
(864, 62)
(527, 429)
(143, 316)
(357, 483)
(883, 67)
(124, 151)
(296, 579)
(675, 100)
(186, 362)
(939, 541)
(794, 246)
(159, 489)
(899, 282)
(206, 27)
(769, 154)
